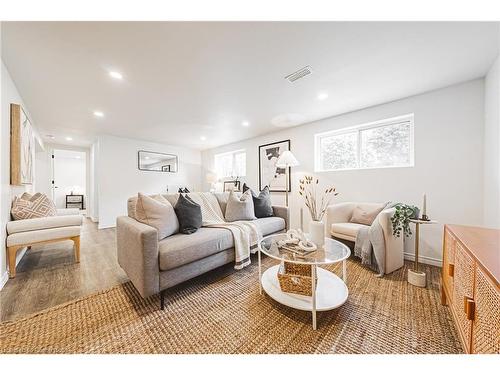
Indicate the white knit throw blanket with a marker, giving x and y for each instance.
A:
(245, 233)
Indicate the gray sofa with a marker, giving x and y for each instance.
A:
(154, 266)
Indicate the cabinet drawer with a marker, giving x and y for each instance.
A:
(449, 263)
(486, 326)
(74, 198)
(463, 287)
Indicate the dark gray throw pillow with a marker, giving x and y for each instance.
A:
(189, 215)
(262, 203)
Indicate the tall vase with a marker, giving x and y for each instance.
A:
(317, 232)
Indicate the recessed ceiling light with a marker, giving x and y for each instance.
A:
(245, 123)
(203, 138)
(50, 136)
(69, 138)
(98, 114)
(116, 75)
(146, 157)
(322, 96)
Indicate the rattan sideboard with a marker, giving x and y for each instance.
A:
(470, 285)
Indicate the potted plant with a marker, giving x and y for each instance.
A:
(317, 206)
(401, 219)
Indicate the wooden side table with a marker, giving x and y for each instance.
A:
(416, 277)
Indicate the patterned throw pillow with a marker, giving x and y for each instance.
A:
(39, 205)
(26, 196)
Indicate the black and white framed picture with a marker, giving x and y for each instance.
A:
(269, 173)
(232, 185)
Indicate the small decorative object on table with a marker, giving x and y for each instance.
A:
(317, 206)
(297, 243)
(424, 210)
(401, 219)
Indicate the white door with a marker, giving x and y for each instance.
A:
(69, 176)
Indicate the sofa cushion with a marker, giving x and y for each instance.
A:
(239, 208)
(346, 229)
(179, 249)
(269, 225)
(157, 212)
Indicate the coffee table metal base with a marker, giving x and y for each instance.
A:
(331, 292)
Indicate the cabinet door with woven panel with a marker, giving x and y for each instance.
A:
(463, 289)
(448, 263)
(486, 325)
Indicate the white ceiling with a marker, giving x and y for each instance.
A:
(185, 80)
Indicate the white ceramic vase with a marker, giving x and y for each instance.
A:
(317, 232)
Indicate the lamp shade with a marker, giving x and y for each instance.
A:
(211, 177)
(286, 159)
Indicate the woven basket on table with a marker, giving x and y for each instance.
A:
(296, 278)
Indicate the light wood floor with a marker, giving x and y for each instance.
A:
(48, 275)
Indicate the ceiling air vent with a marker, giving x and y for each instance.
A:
(301, 73)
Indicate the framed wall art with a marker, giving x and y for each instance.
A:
(22, 147)
(269, 174)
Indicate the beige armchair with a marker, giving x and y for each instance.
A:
(24, 233)
(338, 225)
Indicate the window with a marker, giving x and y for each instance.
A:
(381, 144)
(231, 164)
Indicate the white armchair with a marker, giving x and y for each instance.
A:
(24, 233)
(338, 225)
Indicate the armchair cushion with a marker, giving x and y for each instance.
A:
(34, 236)
(29, 225)
(346, 229)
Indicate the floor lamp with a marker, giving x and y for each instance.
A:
(287, 160)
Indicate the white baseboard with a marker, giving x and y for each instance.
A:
(4, 279)
(106, 226)
(424, 259)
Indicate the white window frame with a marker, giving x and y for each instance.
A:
(233, 153)
(358, 128)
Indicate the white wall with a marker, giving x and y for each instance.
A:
(93, 210)
(492, 146)
(119, 178)
(43, 169)
(9, 94)
(448, 161)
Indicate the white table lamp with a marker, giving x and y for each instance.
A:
(286, 160)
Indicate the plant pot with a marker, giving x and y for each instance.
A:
(416, 213)
(317, 233)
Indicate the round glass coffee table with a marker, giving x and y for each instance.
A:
(330, 291)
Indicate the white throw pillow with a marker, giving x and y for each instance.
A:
(240, 208)
(157, 212)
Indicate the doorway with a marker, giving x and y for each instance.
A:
(69, 179)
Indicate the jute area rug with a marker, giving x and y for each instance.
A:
(222, 312)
